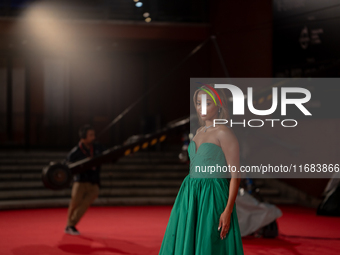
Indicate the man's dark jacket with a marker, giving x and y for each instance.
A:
(89, 175)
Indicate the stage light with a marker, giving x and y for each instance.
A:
(139, 4)
(148, 19)
(146, 14)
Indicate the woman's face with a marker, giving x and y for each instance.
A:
(211, 107)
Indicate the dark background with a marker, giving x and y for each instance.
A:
(116, 56)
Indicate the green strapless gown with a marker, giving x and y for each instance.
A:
(193, 224)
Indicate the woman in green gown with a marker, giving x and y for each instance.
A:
(203, 220)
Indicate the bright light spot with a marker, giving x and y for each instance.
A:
(146, 14)
(135, 0)
(139, 4)
(148, 19)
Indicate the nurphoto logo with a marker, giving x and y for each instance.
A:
(238, 99)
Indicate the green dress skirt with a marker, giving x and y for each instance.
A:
(193, 224)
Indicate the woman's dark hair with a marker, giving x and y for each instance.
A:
(83, 130)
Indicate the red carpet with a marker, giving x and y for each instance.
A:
(139, 230)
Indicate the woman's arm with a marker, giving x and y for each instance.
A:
(230, 147)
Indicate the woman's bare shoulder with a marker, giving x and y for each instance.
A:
(226, 134)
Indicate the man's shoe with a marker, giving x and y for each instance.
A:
(71, 230)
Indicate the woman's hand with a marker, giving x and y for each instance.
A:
(224, 224)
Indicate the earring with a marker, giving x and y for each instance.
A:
(219, 110)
